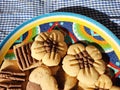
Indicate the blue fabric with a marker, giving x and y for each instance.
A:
(15, 12)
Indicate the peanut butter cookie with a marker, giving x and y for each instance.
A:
(49, 47)
(43, 76)
(85, 63)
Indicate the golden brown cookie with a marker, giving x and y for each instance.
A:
(85, 63)
(43, 76)
(23, 55)
(38, 73)
(104, 82)
(50, 47)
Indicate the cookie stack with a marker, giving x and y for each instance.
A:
(11, 77)
(48, 63)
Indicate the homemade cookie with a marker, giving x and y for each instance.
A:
(49, 47)
(43, 76)
(104, 82)
(38, 73)
(85, 63)
(23, 55)
(11, 77)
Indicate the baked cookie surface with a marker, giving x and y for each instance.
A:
(49, 47)
(43, 76)
(85, 63)
(23, 55)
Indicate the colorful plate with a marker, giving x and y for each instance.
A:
(77, 27)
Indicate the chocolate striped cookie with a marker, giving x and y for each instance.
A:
(24, 58)
(11, 77)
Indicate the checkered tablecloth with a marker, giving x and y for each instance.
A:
(15, 12)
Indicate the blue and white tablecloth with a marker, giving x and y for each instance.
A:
(15, 12)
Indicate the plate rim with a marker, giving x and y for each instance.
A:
(88, 19)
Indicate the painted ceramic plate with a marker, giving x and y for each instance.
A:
(78, 28)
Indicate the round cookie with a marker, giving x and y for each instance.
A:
(38, 73)
(49, 47)
(33, 86)
(43, 76)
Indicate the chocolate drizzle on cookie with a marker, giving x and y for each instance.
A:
(23, 55)
(50, 45)
(13, 85)
(11, 80)
(85, 61)
(14, 76)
